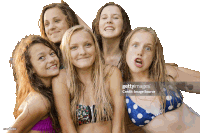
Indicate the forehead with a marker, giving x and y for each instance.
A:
(111, 10)
(53, 12)
(81, 36)
(142, 37)
(38, 48)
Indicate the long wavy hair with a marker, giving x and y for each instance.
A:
(101, 94)
(27, 80)
(157, 70)
(71, 17)
(126, 25)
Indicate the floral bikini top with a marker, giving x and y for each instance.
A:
(140, 117)
(86, 114)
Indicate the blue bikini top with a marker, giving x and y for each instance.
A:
(141, 117)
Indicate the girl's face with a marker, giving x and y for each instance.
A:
(140, 51)
(44, 61)
(82, 49)
(55, 24)
(111, 22)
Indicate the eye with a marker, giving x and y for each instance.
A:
(135, 45)
(88, 45)
(46, 24)
(41, 58)
(73, 48)
(57, 20)
(52, 53)
(148, 48)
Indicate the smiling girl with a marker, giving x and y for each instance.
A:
(111, 26)
(36, 62)
(87, 93)
(55, 19)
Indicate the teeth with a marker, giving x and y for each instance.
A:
(52, 66)
(139, 61)
(109, 28)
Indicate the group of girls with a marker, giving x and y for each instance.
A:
(69, 78)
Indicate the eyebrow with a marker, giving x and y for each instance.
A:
(135, 42)
(53, 18)
(41, 53)
(112, 14)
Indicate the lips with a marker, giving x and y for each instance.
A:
(138, 62)
(109, 28)
(83, 58)
(54, 32)
(54, 66)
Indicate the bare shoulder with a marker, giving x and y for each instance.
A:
(110, 70)
(36, 102)
(61, 77)
(116, 73)
(60, 83)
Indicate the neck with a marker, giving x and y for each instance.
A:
(141, 76)
(46, 81)
(111, 46)
(85, 75)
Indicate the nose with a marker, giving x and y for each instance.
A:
(51, 59)
(82, 51)
(51, 26)
(109, 20)
(139, 52)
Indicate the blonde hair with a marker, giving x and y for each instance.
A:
(157, 70)
(102, 96)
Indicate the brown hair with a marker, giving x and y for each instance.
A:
(126, 25)
(71, 18)
(157, 70)
(101, 94)
(28, 81)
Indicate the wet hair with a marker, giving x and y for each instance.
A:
(157, 70)
(27, 81)
(101, 94)
(71, 17)
(126, 25)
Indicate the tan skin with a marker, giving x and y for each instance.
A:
(81, 49)
(180, 120)
(35, 106)
(110, 27)
(56, 25)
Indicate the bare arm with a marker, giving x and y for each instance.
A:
(81, 22)
(192, 83)
(62, 102)
(34, 111)
(118, 101)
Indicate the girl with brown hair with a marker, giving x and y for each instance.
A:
(36, 61)
(111, 26)
(55, 19)
(143, 61)
(87, 93)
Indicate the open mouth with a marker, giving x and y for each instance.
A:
(138, 62)
(52, 67)
(109, 28)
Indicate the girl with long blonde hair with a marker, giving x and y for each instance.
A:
(143, 61)
(87, 93)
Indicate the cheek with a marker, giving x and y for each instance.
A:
(129, 58)
(150, 58)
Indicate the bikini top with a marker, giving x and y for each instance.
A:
(44, 126)
(87, 114)
(140, 117)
